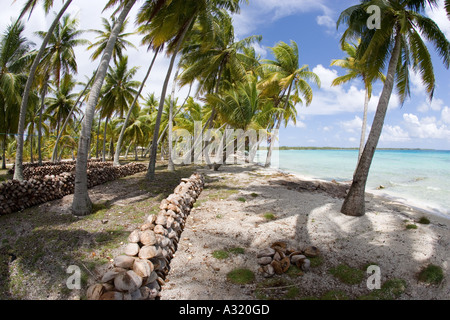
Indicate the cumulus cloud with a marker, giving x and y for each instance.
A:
(445, 115)
(425, 128)
(394, 134)
(352, 126)
(329, 100)
(440, 17)
(263, 11)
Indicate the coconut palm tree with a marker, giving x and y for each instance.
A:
(121, 44)
(171, 25)
(119, 92)
(59, 58)
(29, 6)
(82, 204)
(399, 41)
(284, 77)
(356, 69)
(59, 106)
(138, 94)
(15, 57)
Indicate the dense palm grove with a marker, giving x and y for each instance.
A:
(44, 115)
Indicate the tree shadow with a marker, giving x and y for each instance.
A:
(312, 218)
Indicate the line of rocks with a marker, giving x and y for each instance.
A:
(140, 272)
(18, 195)
(279, 257)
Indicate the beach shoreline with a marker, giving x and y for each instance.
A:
(302, 217)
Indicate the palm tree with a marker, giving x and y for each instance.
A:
(82, 204)
(14, 62)
(103, 37)
(60, 106)
(29, 6)
(399, 41)
(284, 77)
(59, 59)
(118, 93)
(138, 127)
(138, 94)
(355, 69)
(171, 25)
(59, 56)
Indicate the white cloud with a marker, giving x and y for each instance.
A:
(261, 12)
(394, 134)
(435, 105)
(445, 115)
(352, 126)
(329, 100)
(440, 17)
(326, 21)
(425, 128)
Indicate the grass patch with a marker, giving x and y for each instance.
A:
(347, 274)
(254, 195)
(241, 276)
(431, 274)
(269, 216)
(237, 250)
(220, 254)
(241, 199)
(424, 220)
(411, 226)
(390, 290)
(224, 254)
(316, 261)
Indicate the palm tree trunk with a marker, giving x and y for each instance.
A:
(82, 204)
(43, 93)
(272, 140)
(98, 138)
(104, 139)
(272, 143)
(154, 149)
(171, 166)
(18, 170)
(364, 125)
(354, 203)
(4, 151)
(122, 131)
(31, 144)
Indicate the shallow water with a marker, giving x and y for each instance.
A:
(420, 178)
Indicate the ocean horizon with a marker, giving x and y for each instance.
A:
(419, 178)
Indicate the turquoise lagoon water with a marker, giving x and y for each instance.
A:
(420, 178)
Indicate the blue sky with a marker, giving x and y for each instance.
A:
(334, 118)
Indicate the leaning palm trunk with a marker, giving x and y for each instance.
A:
(82, 204)
(364, 125)
(354, 204)
(171, 166)
(274, 136)
(154, 148)
(104, 139)
(127, 119)
(18, 170)
(41, 110)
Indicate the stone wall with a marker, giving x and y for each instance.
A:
(140, 272)
(16, 195)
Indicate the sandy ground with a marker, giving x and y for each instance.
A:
(222, 220)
